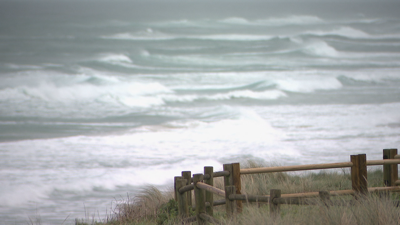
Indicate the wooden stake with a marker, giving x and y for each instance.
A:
(390, 172)
(359, 174)
(175, 179)
(199, 198)
(209, 195)
(238, 184)
(188, 175)
(230, 204)
(228, 179)
(274, 208)
(183, 209)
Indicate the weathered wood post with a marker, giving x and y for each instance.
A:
(175, 179)
(238, 184)
(390, 172)
(188, 176)
(209, 171)
(199, 198)
(228, 181)
(274, 208)
(230, 204)
(359, 181)
(183, 209)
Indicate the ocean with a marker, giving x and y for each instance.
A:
(99, 99)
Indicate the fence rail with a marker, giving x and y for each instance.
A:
(202, 184)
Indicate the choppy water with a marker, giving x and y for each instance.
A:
(97, 99)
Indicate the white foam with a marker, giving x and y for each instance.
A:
(373, 75)
(308, 84)
(342, 31)
(20, 195)
(115, 58)
(275, 21)
(160, 36)
(63, 93)
(148, 34)
(235, 20)
(321, 48)
(291, 20)
(23, 67)
(234, 37)
(241, 94)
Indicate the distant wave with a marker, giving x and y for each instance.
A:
(124, 61)
(148, 34)
(233, 37)
(308, 84)
(291, 20)
(320, 48)
(273, 21)
(98, 94)
(116, 58)
(241, 94)
(351, 33)
(240, 21)
(341, 31)
(162, 36)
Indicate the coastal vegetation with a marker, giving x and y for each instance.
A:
(155, 206)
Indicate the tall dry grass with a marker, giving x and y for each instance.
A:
(152, 206)
(372, 210)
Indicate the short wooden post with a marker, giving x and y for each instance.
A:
(390, 172)
(199, 198)
(325, 198)
(228, 179)
(274, 209)
(230, 204)
(175, 179)
(183, 209)
(238, 184)
(209, 170)
(359, 174)
(188, 176)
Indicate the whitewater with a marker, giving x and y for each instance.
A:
(98, 100)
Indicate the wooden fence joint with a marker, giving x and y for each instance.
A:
(274, 208)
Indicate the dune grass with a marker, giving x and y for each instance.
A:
(152, 206)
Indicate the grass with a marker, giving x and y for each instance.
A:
(153, 206)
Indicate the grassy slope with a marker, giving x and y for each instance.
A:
(155, 207)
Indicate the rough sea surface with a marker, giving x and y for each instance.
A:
(99, 98)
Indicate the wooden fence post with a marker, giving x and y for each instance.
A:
(238, 184)
(175, 180)
(274, 208)
(188, 176)
(209, 170)
(183, 209)
(359, 174)
(230, 204)
(228, 181)
(199, 198)
(390, 172)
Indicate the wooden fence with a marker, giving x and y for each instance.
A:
(204, 191)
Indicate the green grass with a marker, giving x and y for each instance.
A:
(152, 206)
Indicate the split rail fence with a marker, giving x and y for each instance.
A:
(204, 191)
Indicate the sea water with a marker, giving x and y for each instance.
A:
(100, 98)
